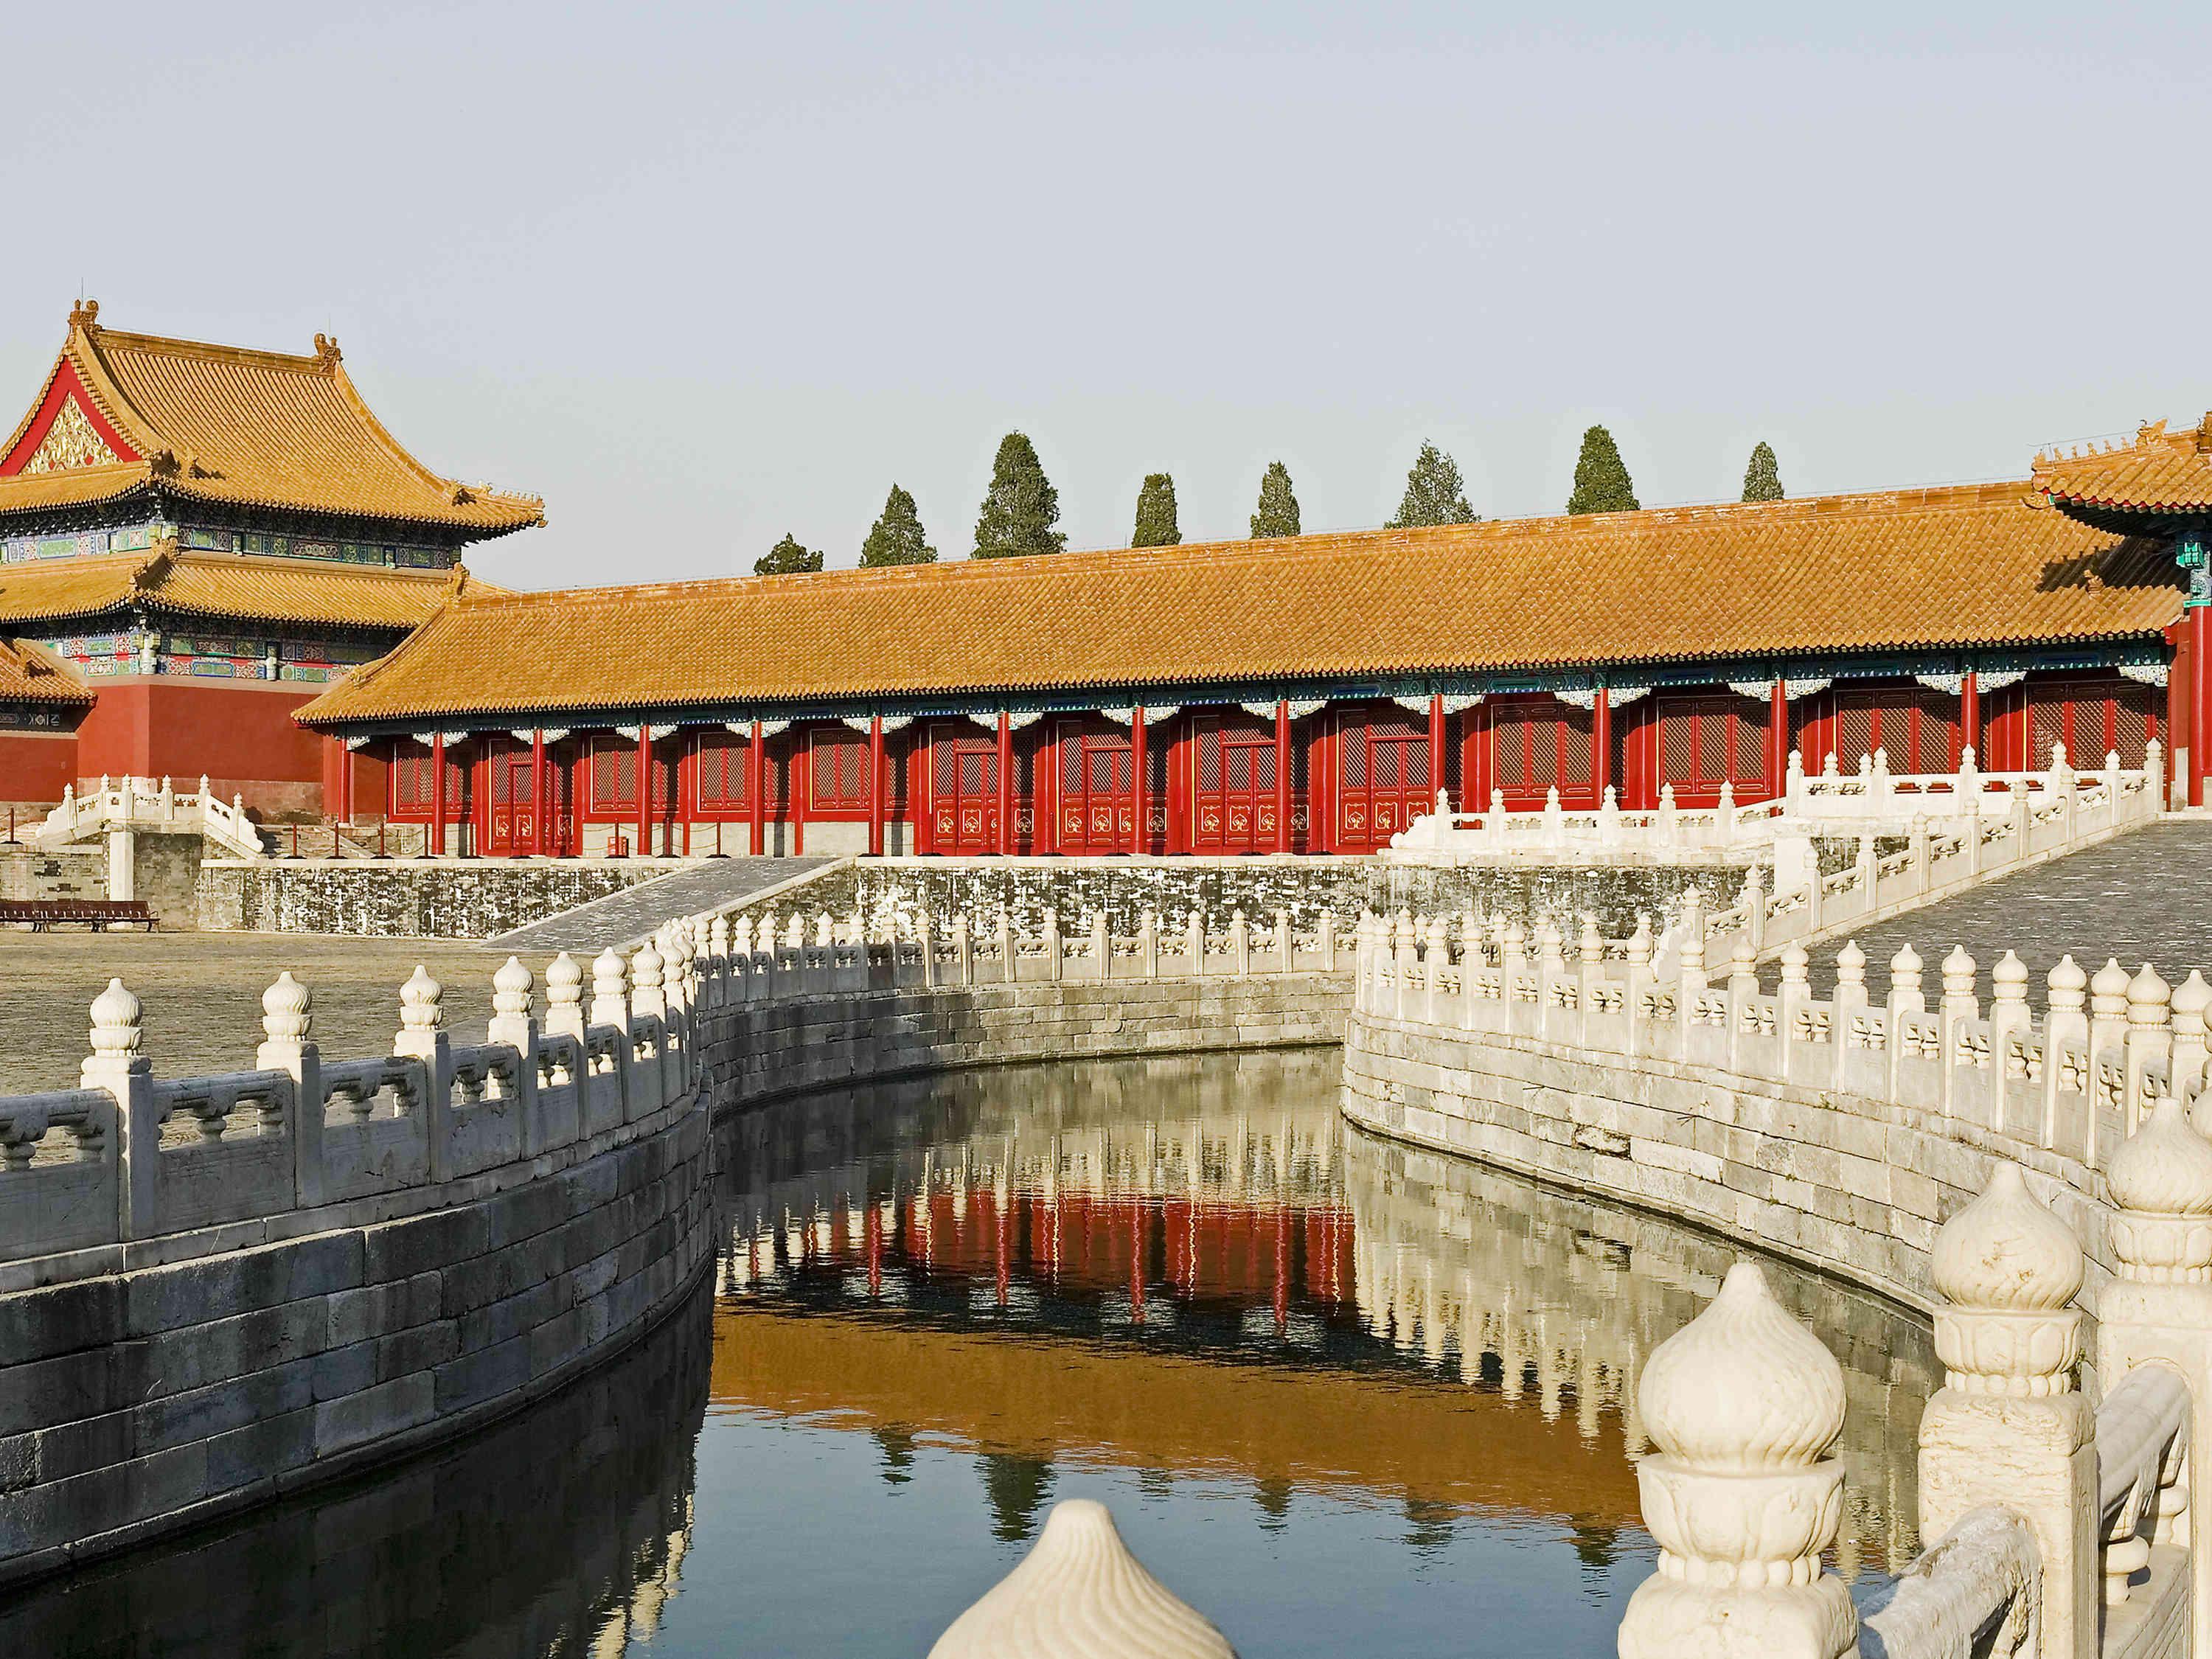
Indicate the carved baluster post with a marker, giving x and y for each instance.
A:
(513, 1023)
(286, 1017)
(1795, 994)
(1283, 946)
(1009, 957)
(1081, 1590)
(1958, 1005)
(1743, 1404)
(2159, 1307)
(1240, 944)
(1905, 997)
(1102, 947)
(963, 952)
(2151, 1041)
(2008, 1427)
(564, 997)
(116, 1065)
(2192, 1000)
(2009, 1019)
(1406, 968)
(1148, 943)
(1436, 970)
(1851, 994)
(2108, 1036)
(422, 1036)
(1053, 967)
(1325, 936)
(1742, 986)
(1690, 954)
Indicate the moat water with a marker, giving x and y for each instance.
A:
(1338, 1394)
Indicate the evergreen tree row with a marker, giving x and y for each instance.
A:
(1020, 513)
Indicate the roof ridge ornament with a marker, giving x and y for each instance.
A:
(84, 316)
(326, 350)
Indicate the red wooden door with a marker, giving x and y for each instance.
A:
(1537, 744)
(511, 822)
(1383, 776)
(2093, 718)
(1702, 742)
(963, 790)
(558, 807)
(1095, 782)
(1915, 727)
(1232, 784)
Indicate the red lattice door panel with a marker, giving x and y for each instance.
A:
(1232, 784)
(1703, 742)
(963, 790)
(2093, 718)
(1095, 779)
(511, 820)
(1383, 776)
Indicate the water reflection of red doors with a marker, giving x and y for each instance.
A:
(963, 790)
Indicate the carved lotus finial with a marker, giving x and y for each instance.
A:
(287, 1009)
(2165, 1168)
(510, 987)
(1743, 1387)
(2006, 1250)
(564, 980)
(115, 1021)
(1080, 1591)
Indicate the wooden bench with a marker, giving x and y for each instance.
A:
(41, 916)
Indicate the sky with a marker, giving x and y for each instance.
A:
(704, 274)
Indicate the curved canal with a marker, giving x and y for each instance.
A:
(1333, 1389)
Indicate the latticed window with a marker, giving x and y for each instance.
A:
(1704, 742)
(840, 770)
(2091, 717)
(412, 775)
(514, 780)
(725, 771)
(613, 765)
(1915, 727)
(1539, 746)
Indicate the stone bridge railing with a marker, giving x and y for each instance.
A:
(1834, 1126)
(145, 803)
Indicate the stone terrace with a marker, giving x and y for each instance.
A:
(202, 995)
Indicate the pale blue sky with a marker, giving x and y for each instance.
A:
(702, 275)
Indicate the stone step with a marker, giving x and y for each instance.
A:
(624, 919)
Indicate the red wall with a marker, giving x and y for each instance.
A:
(36, 766)
(242, 736)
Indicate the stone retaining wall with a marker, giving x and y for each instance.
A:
(221, 1367)
(1849, 1184)
(407, 898)
(758, 1052)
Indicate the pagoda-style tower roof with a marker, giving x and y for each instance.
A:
(2151, 487)
(121, 413)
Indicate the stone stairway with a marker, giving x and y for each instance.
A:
(623, 919)
(2140, 897)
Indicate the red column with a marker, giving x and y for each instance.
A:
(2200, 698)
(1006, 783)
(1970, 714)
(437, 845)
(1479, 762)
(1140, 839)
(756, 787)
(537, 790)
(1436, 747)
(875, 787)
(644, 790)
(1601, 742)
(1282, 775)
(1778, 736)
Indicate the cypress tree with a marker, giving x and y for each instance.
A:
(1601, 482)
(1155, 513)
(1762, 481)
(897, 537)
(786, 558)
(1434, 494)
(1022, 507)
(1278, 512)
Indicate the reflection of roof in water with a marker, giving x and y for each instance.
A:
(1071, 1402)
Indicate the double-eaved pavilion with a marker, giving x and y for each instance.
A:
(1304, 695)
(202, 537)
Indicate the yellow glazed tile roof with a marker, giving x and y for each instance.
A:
(221, 585)
(1917, 568)
(2162, 471)
(220, 423)
(30, 673)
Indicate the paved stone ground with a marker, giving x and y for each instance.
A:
(202, 995)
(624, 918)
(2144, 897)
